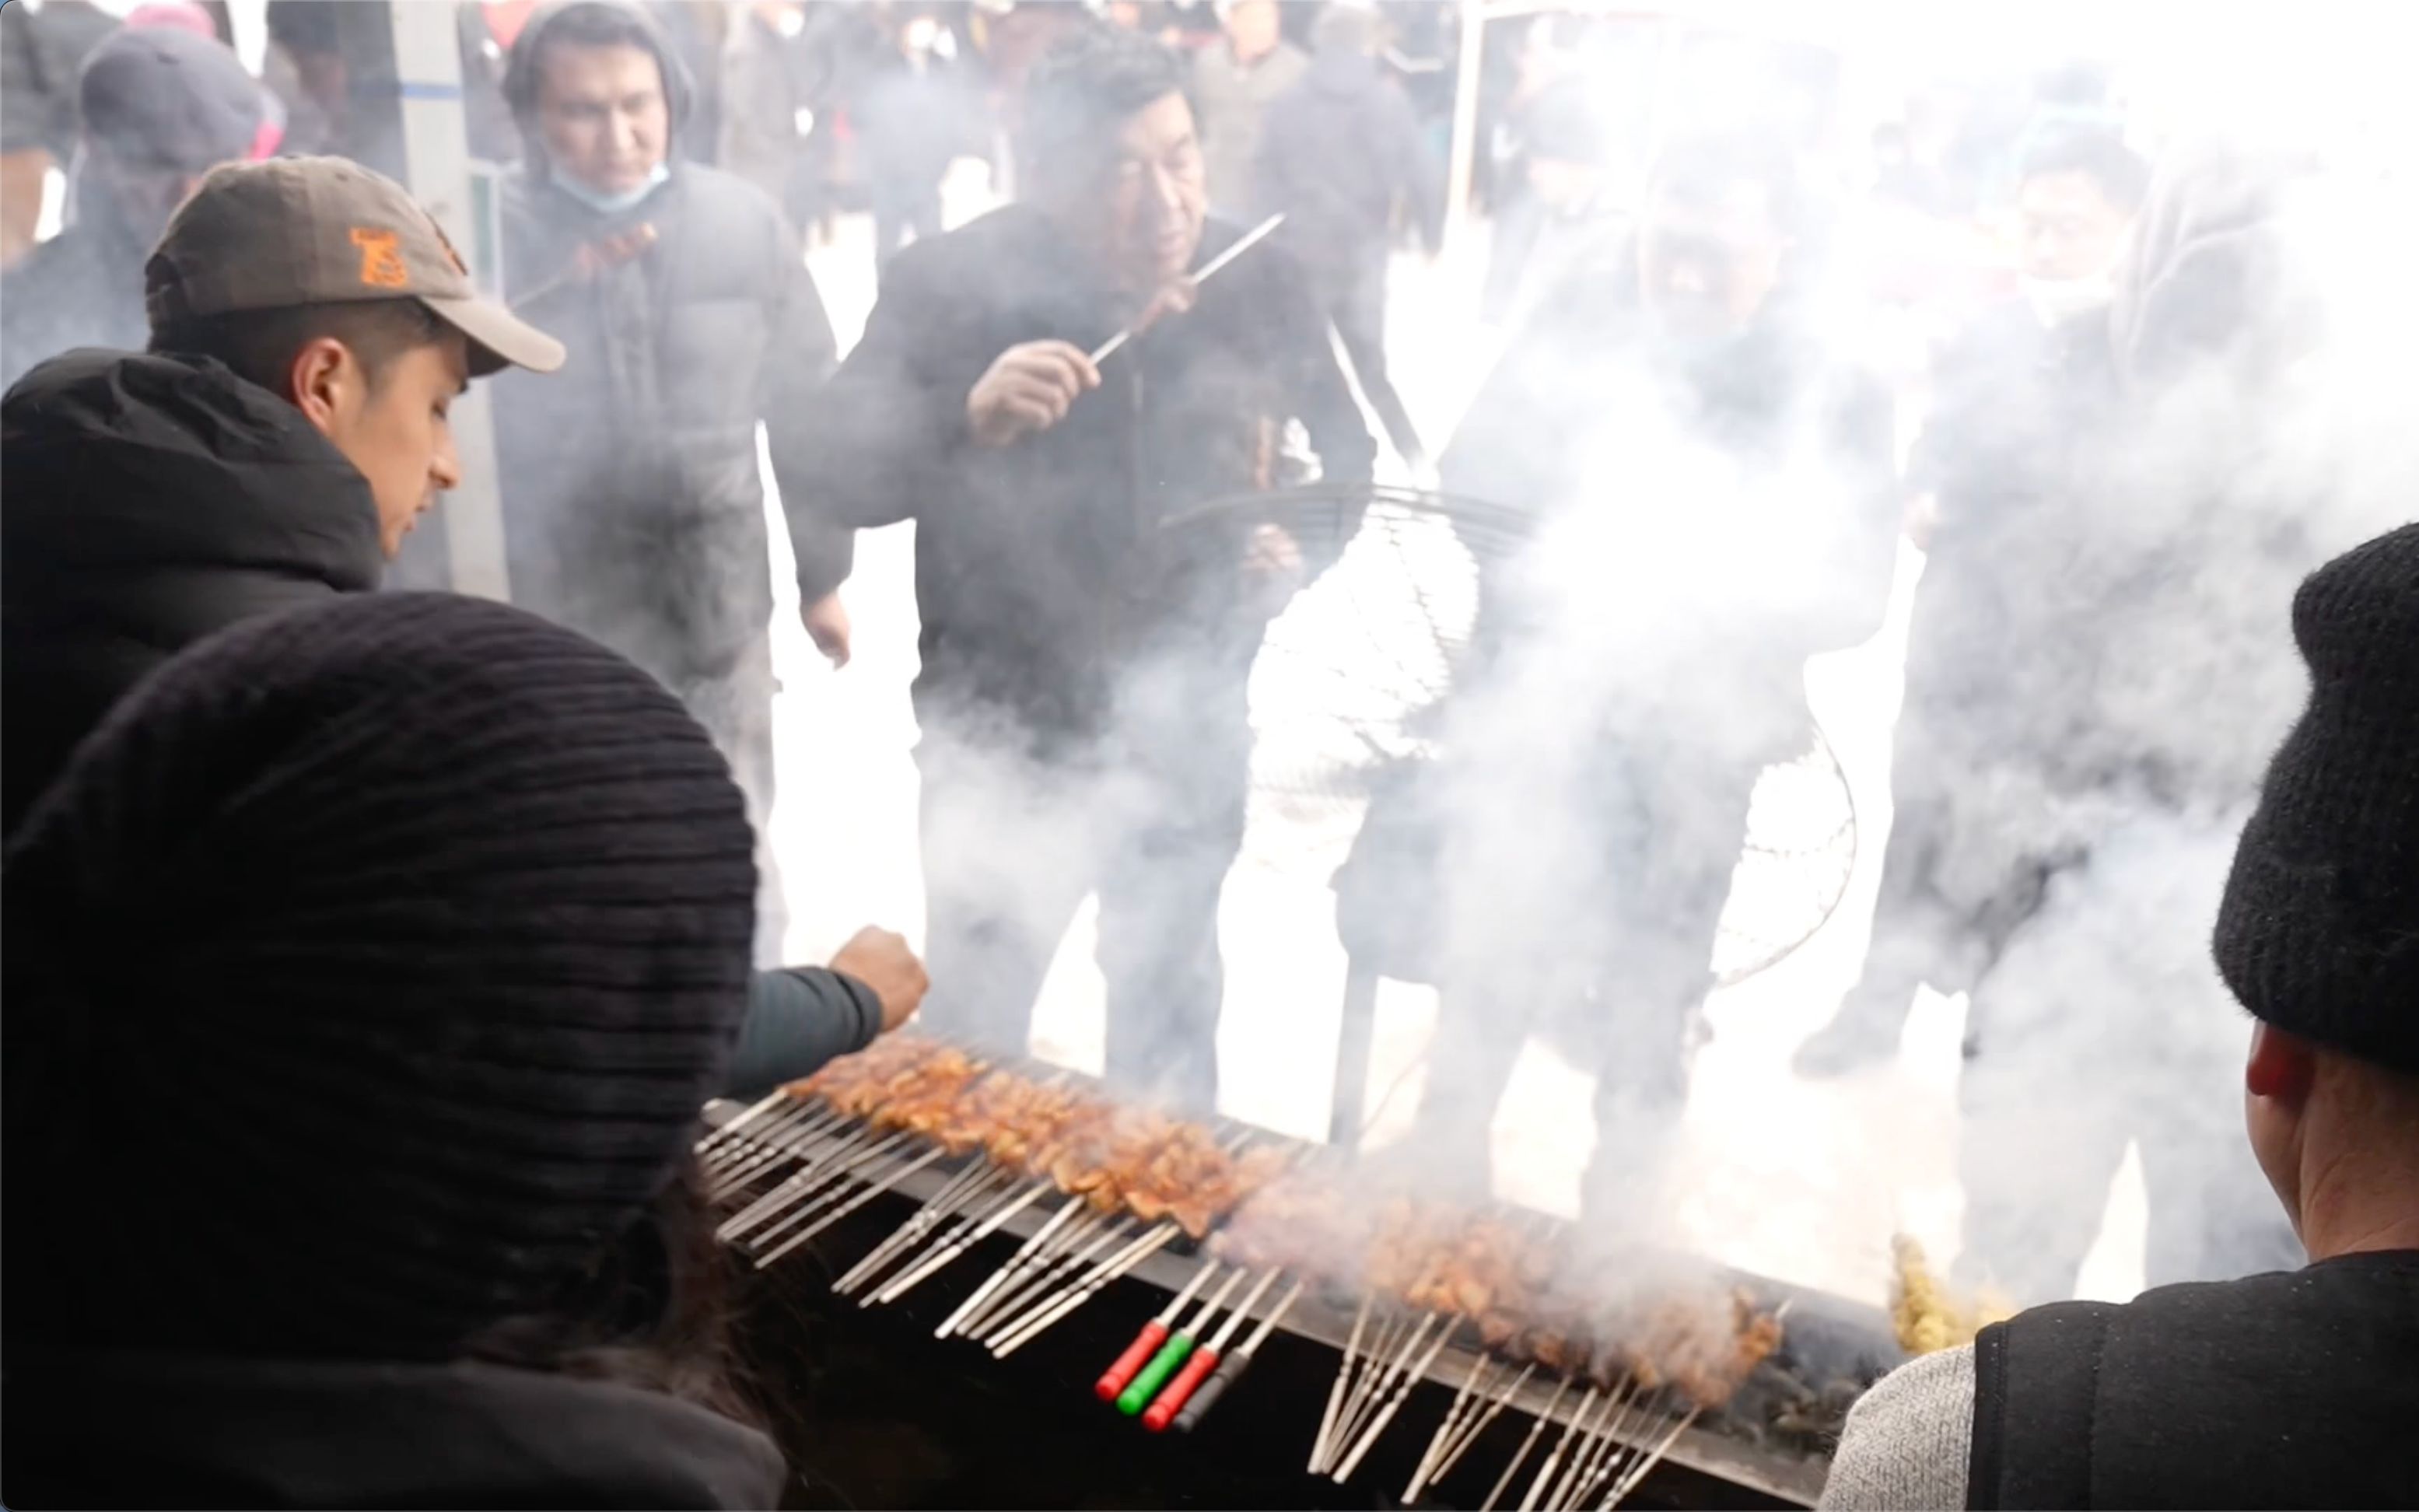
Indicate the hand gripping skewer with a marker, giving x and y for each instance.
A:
(1231, 1369)
(1101, 353)
(1173, 1395)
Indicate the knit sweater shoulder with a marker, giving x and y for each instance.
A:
(1908, 1440)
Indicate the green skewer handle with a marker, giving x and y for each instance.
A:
(1171, 1354)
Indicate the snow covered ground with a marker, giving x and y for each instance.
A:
(1799, 1180)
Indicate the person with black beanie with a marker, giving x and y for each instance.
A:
(366, 972)
(2294, 1389)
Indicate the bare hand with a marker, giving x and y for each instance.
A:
(881, 960)
(828, 624)
(1175, 299)
(1027, 389)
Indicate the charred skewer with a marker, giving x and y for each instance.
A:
(1172, 1353)
(1336, 1393)
(1547, 1471)
(1101, 1275)
(1018, 1202)
(835, 1215)
(1121, 1374)
(1536, 1426)
(1231, 1368)
(1479, 1364)
(1469, 1434)
(1402, 1392)
(1100, 353)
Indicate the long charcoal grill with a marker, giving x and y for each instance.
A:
(793, 1176)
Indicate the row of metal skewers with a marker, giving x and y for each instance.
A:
(799, 1161)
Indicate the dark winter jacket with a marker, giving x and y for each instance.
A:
(1231, 101)
(633, 508)
(1339, 152)
(177, 1431)
(151, 501)
(155, 500)
(1041, 567)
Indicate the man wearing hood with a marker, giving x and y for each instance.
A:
(1715, 501)
(1082, 696)
(1338, 153)
(160, 108)
(633, 507)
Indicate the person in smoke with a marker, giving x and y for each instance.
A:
(1338, 153)
(1236, 80)
(270, 452)
(2289, 1389)
(444, 920)
(1081, 694)
(160, 108)
(1715, 501)
(914, 116)
(2027, 399)
(2077, 792)
(42, 53)
(633, 509)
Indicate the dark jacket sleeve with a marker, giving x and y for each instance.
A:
(878, 439)
(803, 353)
(1407, 163)
(799, 1018)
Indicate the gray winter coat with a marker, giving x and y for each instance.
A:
(633, 509)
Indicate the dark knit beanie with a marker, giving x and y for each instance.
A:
(2320, 931)
(366, 971)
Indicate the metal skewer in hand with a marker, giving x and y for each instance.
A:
(1101, 353)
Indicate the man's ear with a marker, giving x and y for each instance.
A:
(2282, 1067)
(319, 381)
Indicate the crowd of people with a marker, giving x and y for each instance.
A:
(382, 946)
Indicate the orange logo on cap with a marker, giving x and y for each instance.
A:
(382, 265)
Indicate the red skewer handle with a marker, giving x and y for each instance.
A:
(1173, 1396)
(1130, 1363)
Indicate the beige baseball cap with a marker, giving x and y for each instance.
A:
(266, 236)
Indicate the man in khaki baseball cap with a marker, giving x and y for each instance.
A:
(310, 329)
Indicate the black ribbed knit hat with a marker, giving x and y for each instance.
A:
(366, 972)
(2320, 931)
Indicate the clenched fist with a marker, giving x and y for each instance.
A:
(1027, 389)
(882, 961)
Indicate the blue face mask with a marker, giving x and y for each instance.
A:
(605, 204)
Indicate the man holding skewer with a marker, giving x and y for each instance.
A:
(1082, 695)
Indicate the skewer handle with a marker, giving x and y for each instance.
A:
(1205, 1395)
(1120, 1375)
(1154, 1375)
(1179, 1391)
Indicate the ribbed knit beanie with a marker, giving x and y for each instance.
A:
(2320, 931)
(366, 971)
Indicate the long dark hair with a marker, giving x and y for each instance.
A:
(654, 1309)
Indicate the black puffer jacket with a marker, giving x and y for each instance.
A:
(633, 510)
(151, 501)
(1041, 568)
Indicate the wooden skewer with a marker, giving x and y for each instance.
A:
(1536, 1426)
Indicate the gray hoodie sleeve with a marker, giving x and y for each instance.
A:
(1907, 1440)
(798, 1018)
